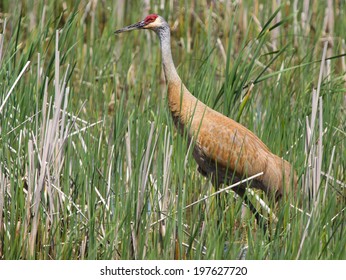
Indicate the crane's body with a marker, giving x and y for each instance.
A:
(224, 149)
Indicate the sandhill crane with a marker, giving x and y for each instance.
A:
(223, 149)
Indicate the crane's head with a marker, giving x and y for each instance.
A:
(152, 22)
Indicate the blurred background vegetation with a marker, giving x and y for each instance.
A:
(91, 166)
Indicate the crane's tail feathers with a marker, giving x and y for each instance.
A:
(279, 178)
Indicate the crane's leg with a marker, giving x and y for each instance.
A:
(220, 208)
(239, 191)
(216, 183)
(260, 220)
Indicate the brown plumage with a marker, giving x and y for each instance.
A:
(224, 146)
(224, 149)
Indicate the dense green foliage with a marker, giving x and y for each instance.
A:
(90, 159)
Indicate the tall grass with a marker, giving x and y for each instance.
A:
(91, 166)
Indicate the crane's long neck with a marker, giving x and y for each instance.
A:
(181, 102)
(167, 60)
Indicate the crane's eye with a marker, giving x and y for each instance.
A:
(150, 18)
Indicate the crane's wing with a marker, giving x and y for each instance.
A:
(230, 144)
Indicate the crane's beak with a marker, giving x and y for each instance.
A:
(138, 25)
